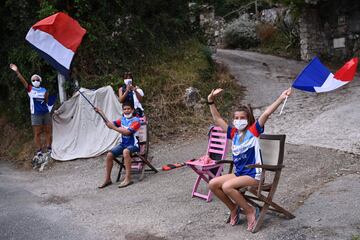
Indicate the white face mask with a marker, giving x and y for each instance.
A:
(128, 115)
(240, 124)
(128, 81)
(35, 84)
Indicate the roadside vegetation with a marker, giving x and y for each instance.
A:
(150, 38)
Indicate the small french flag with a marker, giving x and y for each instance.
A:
(317, 78)
(56, 38)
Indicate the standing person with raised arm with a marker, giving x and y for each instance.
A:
(40, 116)
(129, 92)
(244, 134)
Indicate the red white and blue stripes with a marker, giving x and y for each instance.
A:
(56, 38)
(317, 78)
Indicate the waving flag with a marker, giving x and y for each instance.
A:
(317, 78)
(56, 38)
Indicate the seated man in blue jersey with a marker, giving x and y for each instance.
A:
(127, 125)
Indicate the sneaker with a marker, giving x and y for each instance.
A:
(39, 153)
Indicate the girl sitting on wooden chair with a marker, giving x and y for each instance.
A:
(245, 151)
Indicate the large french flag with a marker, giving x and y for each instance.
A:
(317, 78)
(56, 38)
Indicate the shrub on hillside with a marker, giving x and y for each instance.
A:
(265, 32)
(241, 34)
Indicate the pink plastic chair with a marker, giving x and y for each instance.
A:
(217, 150)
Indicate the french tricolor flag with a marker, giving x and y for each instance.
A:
(317, 78)
(57, 38)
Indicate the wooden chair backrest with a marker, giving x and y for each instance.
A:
(272, 149)
(217, 146)
(143, 137)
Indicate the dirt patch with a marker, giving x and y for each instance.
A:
(142, 236)
(55, 199)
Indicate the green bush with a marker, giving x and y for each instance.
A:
(241, 34)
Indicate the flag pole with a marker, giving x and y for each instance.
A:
(282, 108)
(62, 92)
(92, 105)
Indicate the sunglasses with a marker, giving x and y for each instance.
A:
(36, 80)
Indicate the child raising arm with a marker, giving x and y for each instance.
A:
(244, 134)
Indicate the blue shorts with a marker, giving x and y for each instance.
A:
(40, 119)
(118, 150)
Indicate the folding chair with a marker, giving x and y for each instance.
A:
(140, 160)
(217, 150)
(272, 153)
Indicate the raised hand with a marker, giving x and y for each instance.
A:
(213, 94)
(129, 87)
(286, 93)
(14, 67)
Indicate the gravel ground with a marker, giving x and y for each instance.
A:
(320, 183)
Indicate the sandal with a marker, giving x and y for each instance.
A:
(251, 225)
(237, 217)
(105, 185)
(125, 184)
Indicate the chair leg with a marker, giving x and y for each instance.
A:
(119, 174)
(142, 172)
(148, 164)
(196, 185)
(260, 218)
(282, 210)
(276, 207)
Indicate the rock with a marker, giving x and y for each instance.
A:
(191, 97)
(272, 15)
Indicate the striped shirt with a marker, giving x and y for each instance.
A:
(38, 104)
(247, 151)
(131, 124)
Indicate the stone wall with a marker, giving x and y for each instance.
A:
(330, 29)
(312, 38)
(212, 26)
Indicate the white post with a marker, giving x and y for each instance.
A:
(62, 92)
(256, 8)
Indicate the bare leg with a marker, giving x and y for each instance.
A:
(231, 187)
(109, 164)
(48, 132)
(127, 160)
(216, 186)
(37, 133)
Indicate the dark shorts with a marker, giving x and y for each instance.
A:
(118, 150)
(43, 119)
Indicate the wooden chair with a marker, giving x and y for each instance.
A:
(140, 160)
(272, 153)
(217, 150)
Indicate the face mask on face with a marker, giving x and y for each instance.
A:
(128, 115)
(36, 83)
(128, 81)
(240, 124)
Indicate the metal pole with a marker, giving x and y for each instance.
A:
(62, 92)
(256, 8)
